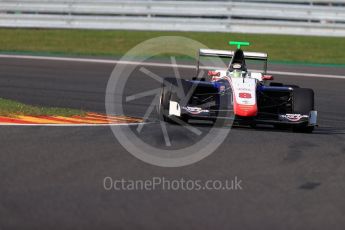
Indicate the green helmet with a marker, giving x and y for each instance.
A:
(237, 73)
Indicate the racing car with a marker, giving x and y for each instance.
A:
(237, 93)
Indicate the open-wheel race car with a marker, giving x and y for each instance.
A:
(238, 93)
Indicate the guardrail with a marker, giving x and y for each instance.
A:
(256, 16)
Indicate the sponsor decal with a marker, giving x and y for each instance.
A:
(195, 110)
(243, 89)
(245, 95)
(293, 117)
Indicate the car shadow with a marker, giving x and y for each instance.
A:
(318, 130)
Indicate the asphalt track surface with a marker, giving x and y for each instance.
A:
(52, 177)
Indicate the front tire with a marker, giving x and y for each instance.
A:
(163, 108)
(303, 103)
(166, 96)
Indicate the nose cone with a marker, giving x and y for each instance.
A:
(244, 95)
(245, 110)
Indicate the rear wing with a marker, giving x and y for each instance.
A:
(229, 54)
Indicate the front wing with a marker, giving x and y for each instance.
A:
(192, 112)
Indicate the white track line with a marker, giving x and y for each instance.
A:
(307, 75)
(89, 60)
(105, 61)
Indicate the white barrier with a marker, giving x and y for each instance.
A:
(231, 16)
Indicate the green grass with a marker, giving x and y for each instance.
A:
(285, 48)
(12, 108)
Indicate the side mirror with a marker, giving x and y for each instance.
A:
(267, 77)
(213, 73)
